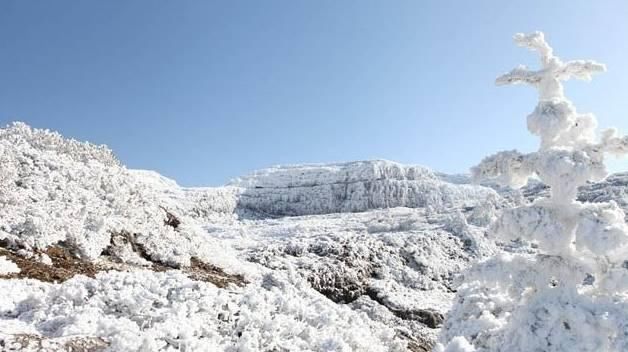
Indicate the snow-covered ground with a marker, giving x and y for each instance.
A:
(360, 256)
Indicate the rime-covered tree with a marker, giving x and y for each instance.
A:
(571, 292)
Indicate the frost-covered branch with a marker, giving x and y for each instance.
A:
(536, 42)
(553, 70)
(520, 75)
(508, 168)
(614, 144)
(579, 69)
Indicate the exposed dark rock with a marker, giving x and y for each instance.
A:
(423, 346)
(64, 265)
(344, 275)
(428, 317)
(171, 219)
(201, 271)
(32, 342)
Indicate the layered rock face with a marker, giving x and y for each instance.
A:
(614, 187)
(352, 187)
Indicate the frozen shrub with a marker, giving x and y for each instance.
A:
(61, 191)
(572, 294)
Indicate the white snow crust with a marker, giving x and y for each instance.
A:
(7, 266)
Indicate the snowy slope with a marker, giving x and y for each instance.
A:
(365, 261)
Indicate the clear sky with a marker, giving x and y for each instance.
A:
(204, 91)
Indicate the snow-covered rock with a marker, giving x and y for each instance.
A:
(352, 187)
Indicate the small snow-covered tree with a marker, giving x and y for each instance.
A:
(571, 293)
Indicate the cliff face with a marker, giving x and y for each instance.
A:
(352, 187)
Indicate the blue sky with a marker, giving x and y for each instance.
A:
(204, 91)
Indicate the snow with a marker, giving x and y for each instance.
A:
(7, 266)
(147, 311)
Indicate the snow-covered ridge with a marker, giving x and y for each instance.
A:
(352, 187)
(308, 175)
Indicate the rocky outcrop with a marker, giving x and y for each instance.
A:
(614, 187)
(351, 187)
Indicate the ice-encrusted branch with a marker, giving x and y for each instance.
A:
(506, 168)
(579, 69)
(547, 79)
(520, 75)
(536, 42)
(612, 143)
